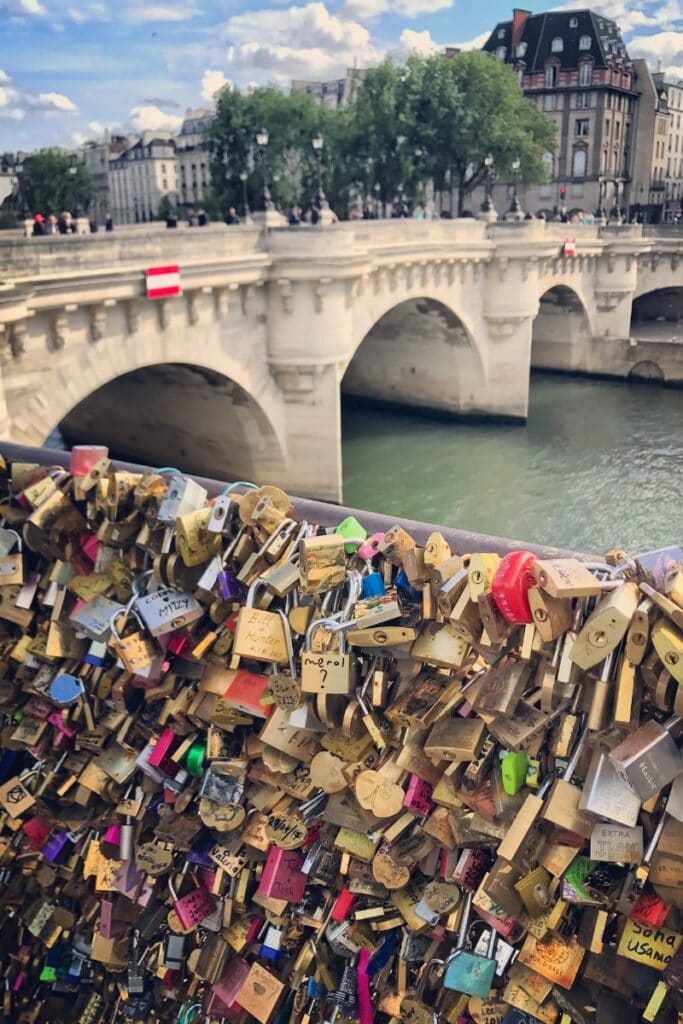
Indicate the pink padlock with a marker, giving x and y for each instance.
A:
(84, 457)
(193, 908)
(418, 797)
(231, 980)
(112, 835)
(370, 547)
(163, 748)
(282, 876)
(89, 546)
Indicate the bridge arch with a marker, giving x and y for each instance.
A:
(417, 352)
(154, 391)
(562, 328)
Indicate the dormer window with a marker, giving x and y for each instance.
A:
(501, 53)
(557, 45)
(585, 43)
(573, 22)
(501, 33)
(521, 49)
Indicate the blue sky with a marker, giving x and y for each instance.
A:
(70, 68)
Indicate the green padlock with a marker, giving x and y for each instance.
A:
(513, 771)
(351, 528)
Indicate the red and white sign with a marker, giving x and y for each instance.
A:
(163, 282)
(570, 247)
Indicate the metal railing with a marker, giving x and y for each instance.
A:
(324, 513)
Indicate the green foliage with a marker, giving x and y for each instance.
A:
(7, 221)
(166, 208)
(50, 183)
(430, 120)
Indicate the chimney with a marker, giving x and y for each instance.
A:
(519, 18)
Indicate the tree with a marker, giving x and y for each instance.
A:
(459, 110)
(51, 183)
(166, 207)
(377, 121)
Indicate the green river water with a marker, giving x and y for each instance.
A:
(599, 464)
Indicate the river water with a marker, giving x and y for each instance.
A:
(599, 464)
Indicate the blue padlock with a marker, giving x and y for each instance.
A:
(372, 586)
(468, 972)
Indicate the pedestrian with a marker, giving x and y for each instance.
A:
(172, 219)
(315, 214)
(94, 226)
(52, 227)
(38, 224)
(294, 218)
(108, 223)
(232, 217)
(190, 218)
(202, 218)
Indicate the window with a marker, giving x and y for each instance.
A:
(585, 74)
(550, 76)
(520, 76)
(501, 33)
(582, 128)
(583, 100)
(501, 53)
(521, 49)
(557, 45)
(617, 129)
(163, 168)
(607, 124)
(579, 164)
(585, 43)
(573, 22)
(550, 101)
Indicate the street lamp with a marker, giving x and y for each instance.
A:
(487, 206)
(516, 212)
(262, 143)
(73, 171)
(245, 201)
(600, 215)
(321, 199)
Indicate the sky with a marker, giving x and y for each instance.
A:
(69, 69)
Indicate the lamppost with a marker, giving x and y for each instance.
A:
(262, 143)
(245, 200)
(515, 212)
(73, 171)
(378, 206)
(600, 215)
(487, 206)
(320, 199)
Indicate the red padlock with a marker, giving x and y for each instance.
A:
(511, 585)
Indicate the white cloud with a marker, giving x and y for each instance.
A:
(150, 118)
(144, 12)
(16, 102)
(96, 127)
(663, 49)
(56, 101)
(472, 44)
(418, 42)
(19, 8)
(367, 9)
(212, 82)
(298, 42)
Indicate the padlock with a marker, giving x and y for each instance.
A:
(606, 794)
(260, 635)
(466, 971)
(323, 672)
(510, 585)
(137, 650)
(648, 759)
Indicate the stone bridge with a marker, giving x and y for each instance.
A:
(242, 375)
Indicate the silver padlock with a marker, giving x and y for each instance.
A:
(166, 610)
(94, 617)
(183, 495)
(606, 794)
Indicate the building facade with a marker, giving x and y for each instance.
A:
(98, 157)
(575, 67)
(192, 159)
(670, 93)
(141, 176)
(648, 189)
(337, 92)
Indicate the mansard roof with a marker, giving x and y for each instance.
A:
(539, 30)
